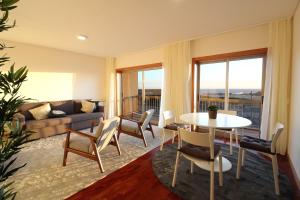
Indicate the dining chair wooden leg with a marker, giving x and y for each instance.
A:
(220, 170)
(162, 139)
(230, 143)
(175, 169)
(212, 182)
(192, 167)
(243, 156)
(275, 174)
(238, 170)
(117, 144)
(98, 157)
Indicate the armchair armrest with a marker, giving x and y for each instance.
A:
(93, 138)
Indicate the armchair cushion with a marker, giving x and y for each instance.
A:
(129, 126)
(80, 143)
(199, 152)
(256, 144)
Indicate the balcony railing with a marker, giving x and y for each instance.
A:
(248, 108)
(135, 103)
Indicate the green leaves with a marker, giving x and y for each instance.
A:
(6, 5)
(13, 138)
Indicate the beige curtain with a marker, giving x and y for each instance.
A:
(277, 86)
(110, 94)
(130, 92)
(176, 90)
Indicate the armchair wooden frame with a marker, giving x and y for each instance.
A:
(135, 117)
(95, 155)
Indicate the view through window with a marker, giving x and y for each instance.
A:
(232, 85)
(149, 91)
(139, 91)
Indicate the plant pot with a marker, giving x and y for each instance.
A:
(212, 114)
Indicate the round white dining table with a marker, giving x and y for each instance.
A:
(223, 121)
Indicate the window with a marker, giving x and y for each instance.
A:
(139, 89)
(232, 82)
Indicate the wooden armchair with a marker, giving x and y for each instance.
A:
(136, 124)
(89, 145)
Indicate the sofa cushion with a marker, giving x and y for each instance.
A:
(77, 106)
(66, 106)
(41, 112)
(85, 116)
(87, 106)
(38, 124)
(24, 109)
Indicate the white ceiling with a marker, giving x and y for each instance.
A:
(115, 27)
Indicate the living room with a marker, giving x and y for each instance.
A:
(107, 82)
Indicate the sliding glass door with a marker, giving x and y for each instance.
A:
(140, 91)
(245, 88)
(235, 84)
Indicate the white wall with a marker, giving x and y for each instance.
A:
(294, 145)
(140, 58)
(59, 75)
(239, 40)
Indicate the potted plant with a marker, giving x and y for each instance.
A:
(12, 136)
(212, 111)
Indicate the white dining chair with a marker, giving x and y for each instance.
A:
(265, 147)
(230, 131)
(199, 147)
(170, 124)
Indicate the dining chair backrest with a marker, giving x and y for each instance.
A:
(146, 118)
(228, 112)
(106, 131)
(277, 132)
(168, 117)
(198, 139)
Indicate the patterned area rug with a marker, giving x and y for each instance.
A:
(256, 181)
(44, 177)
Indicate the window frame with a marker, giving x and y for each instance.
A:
(227, 57)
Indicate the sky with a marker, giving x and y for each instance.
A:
(153, 79)
(243, 74)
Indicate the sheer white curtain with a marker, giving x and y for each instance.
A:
(277, 82)
(110, 88)
(176, 90)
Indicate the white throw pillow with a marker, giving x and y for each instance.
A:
(41, 112)
(87, 106)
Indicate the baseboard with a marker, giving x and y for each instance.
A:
(296, 178)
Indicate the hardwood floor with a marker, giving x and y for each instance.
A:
(137, 181)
